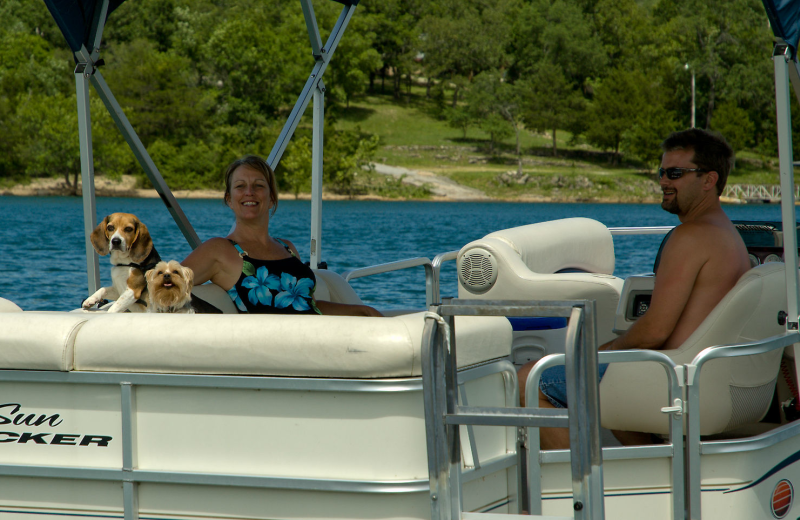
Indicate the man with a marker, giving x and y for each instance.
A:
(702, 260)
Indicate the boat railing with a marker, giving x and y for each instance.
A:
(694, 446)
(445, 415)
(674, 449)
(430, 293)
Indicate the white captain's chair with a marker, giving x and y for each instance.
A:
(569, 259)
(733, 391)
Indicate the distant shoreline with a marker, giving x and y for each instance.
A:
(125, 187)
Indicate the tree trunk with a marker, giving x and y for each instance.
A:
(396, 83)
(555, 145)
(428, 88)
(455, 96)
(372, 81)
(519, 152)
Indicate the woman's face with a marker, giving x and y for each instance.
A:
(250, 196)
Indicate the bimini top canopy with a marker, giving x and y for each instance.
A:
(784, 16)
(76, 18)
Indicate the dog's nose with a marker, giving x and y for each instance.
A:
(167, 276)
(116, 242)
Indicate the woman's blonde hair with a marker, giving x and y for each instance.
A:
(257, 163)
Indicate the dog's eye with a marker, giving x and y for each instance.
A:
(110, 228)
(129, 229)
(175, 272)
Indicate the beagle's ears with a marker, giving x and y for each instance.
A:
(99, 238)
(142, 244)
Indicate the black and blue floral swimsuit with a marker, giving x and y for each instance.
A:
(284, 286)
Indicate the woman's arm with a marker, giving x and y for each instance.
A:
(346, 309)
(213, 260)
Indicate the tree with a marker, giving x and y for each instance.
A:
(733, 123)
(550, 100)
(712, 37)
(296, 164)
(496, 105)
(617, 102)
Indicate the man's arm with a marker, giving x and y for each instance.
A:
(681, 261)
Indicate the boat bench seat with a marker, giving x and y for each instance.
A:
(567, 259)
(274, 345)
(733, 391)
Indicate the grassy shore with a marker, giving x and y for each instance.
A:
(412, 136)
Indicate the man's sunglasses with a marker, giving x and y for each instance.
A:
(677, 173)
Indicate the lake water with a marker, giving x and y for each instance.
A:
(43, 263)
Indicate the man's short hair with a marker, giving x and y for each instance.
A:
(711, 151)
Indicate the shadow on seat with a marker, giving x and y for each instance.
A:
(568, 259)
(733, 391)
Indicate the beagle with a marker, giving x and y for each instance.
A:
(132, 255)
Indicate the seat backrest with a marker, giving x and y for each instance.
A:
(8, 306)
(332, 287)
(571, 243)
(524, 263)
(733, 391)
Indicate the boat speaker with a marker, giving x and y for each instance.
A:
(477, 270)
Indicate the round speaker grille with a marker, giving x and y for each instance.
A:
(477, 270)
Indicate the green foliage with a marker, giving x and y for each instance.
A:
(206, 81)
(733, 122)
(296, 165)
(618, 101)
(550, 101)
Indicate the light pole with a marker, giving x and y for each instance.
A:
(687, 68)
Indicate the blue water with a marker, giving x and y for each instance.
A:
(43, 262)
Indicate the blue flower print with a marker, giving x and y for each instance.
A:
(259, 286)
(235, 297)
(295, 293)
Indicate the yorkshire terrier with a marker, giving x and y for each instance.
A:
(169, 288)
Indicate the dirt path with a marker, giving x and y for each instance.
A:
(443, 187)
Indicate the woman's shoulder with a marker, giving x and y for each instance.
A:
(216, 246)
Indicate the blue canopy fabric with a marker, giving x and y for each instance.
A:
(75, 18)
(784, 17)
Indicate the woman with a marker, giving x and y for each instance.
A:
(262, 274)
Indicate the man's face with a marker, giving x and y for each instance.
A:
(679, 195)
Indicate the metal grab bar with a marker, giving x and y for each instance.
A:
(444, 416)
(396, 266)
(438, 260)
(652, 230)
(693, 444)
(676, 427)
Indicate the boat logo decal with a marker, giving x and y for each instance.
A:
(12, 414)
(782, 497)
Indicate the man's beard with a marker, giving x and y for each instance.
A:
(672, 206)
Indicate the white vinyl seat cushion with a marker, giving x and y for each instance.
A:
(276, 345)
(8, 306)
(733, 391)
(529, 258)
(39, 340)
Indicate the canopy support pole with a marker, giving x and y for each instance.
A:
(140, 152)
(316, 176)
(87, 174)
(786, 71)
(313, 80)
